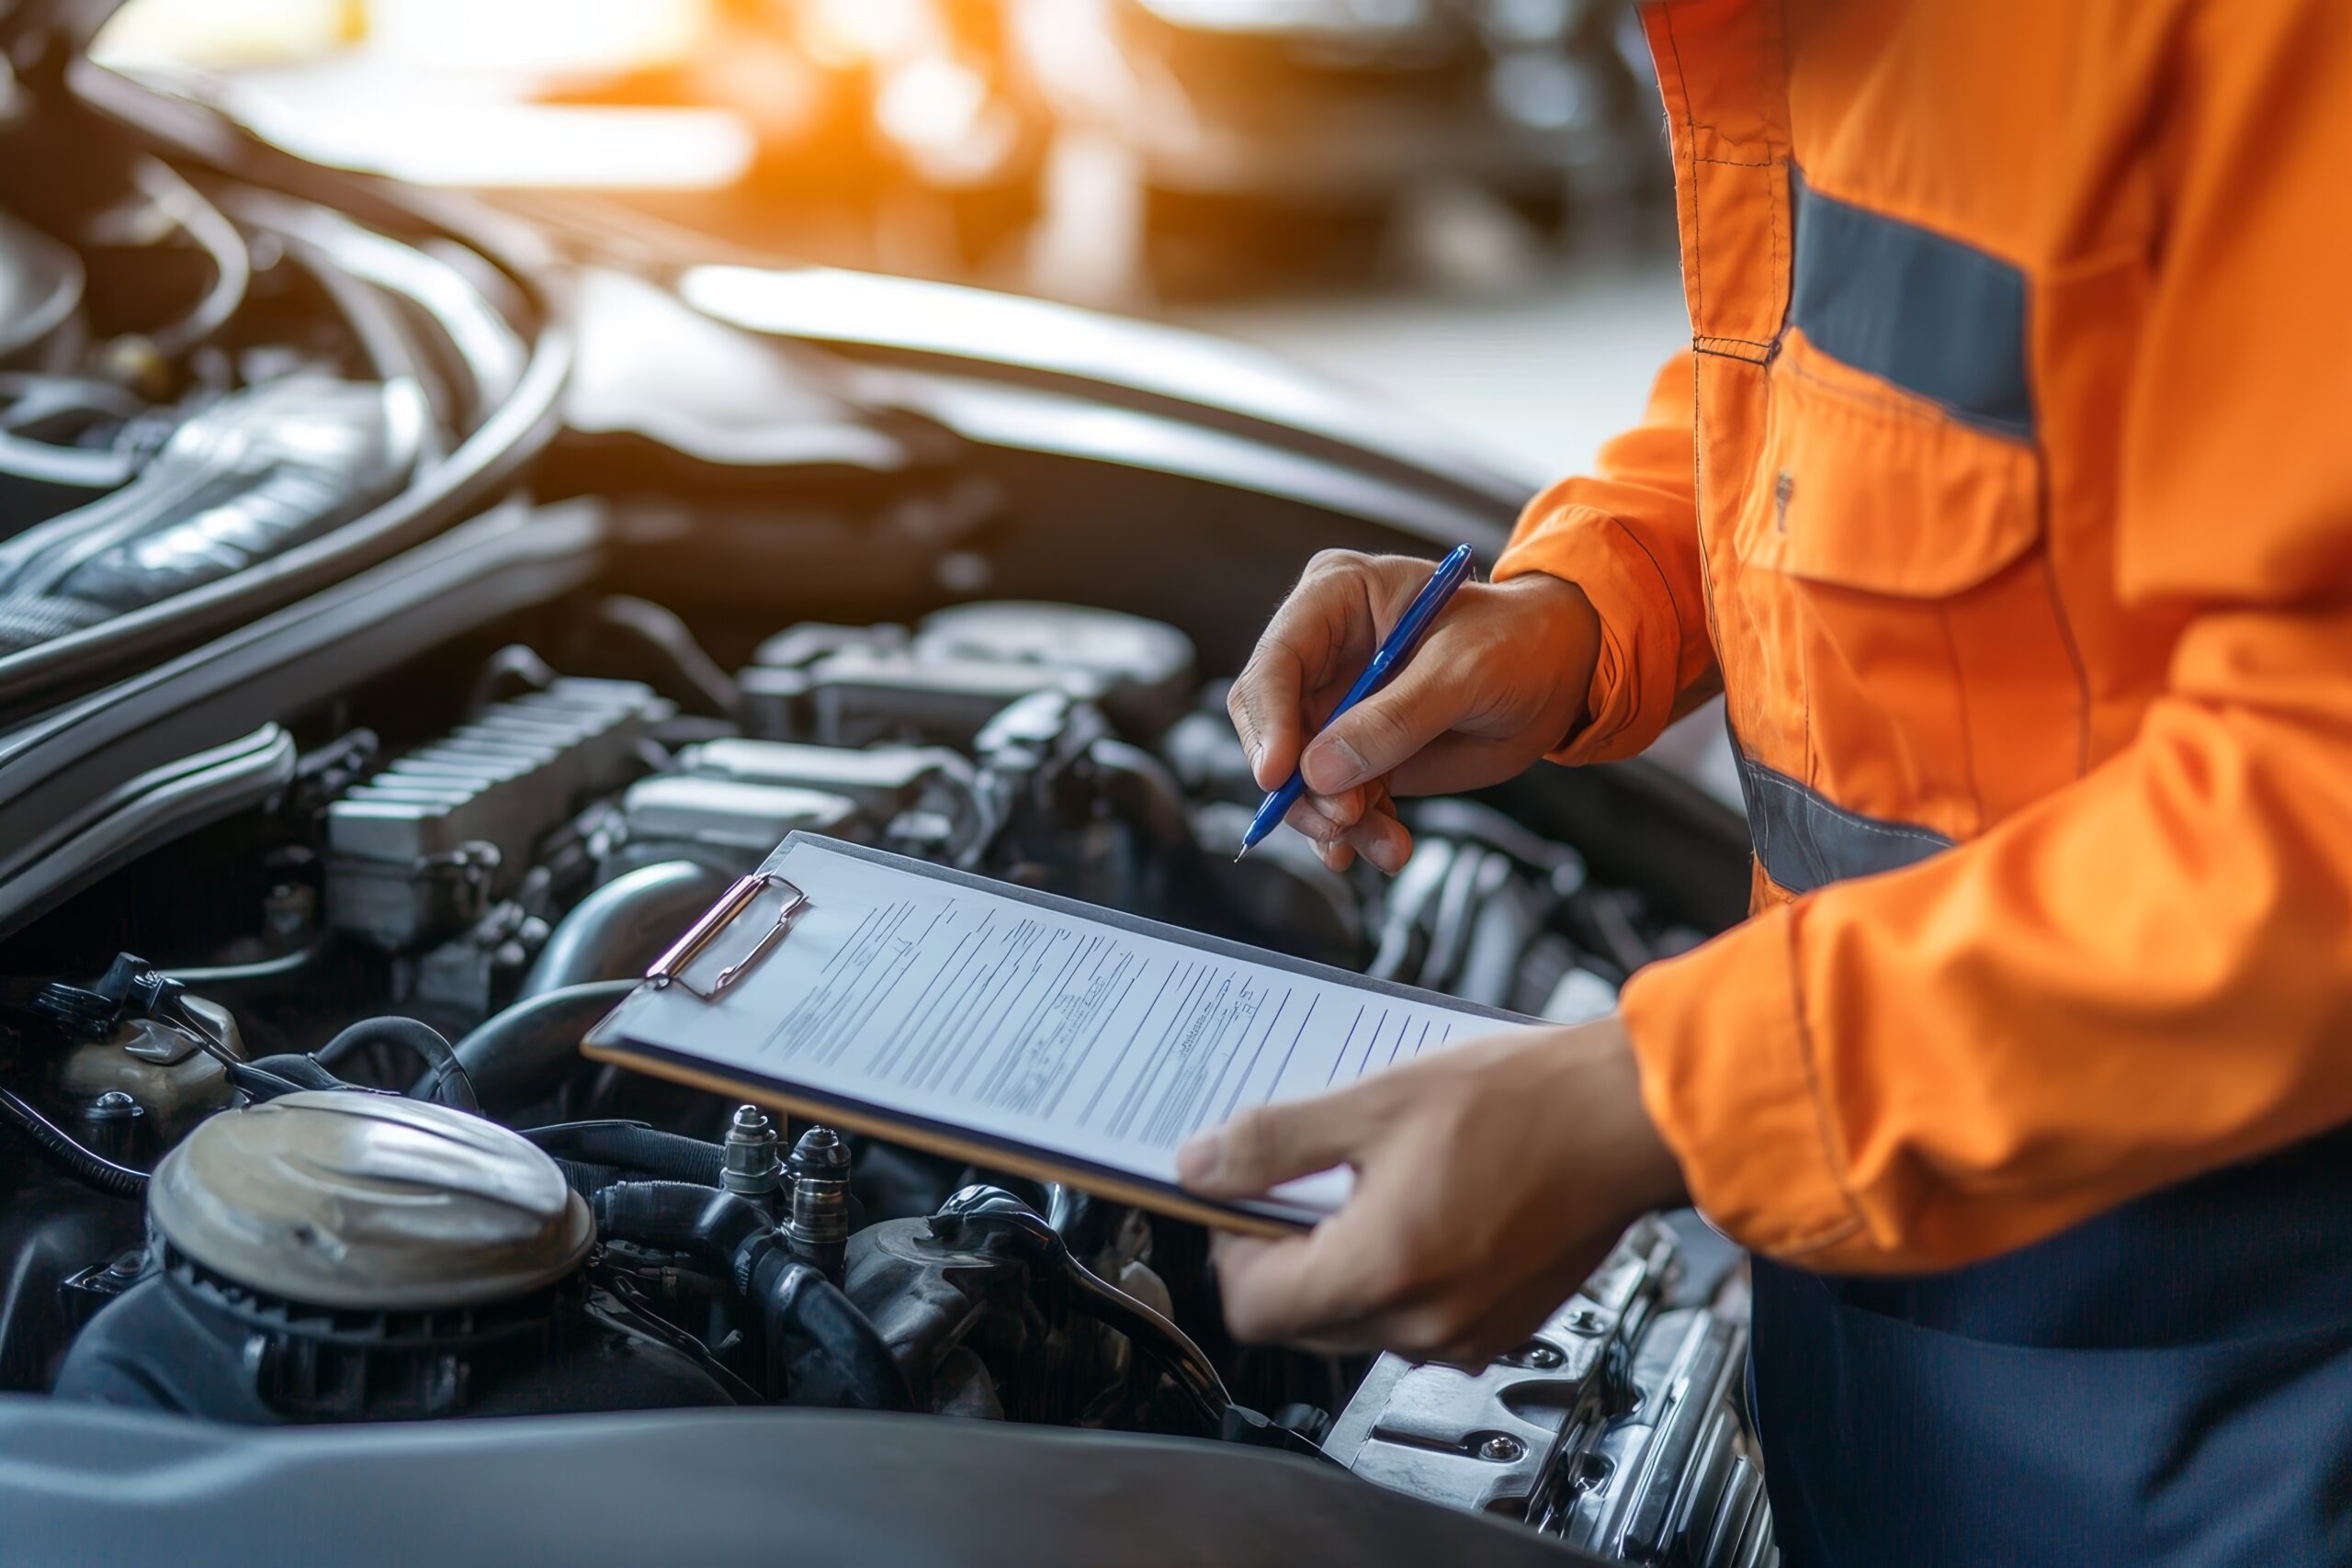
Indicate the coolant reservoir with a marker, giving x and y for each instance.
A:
(161, 1066)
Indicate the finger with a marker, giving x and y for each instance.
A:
(1513, 1317)
(1467, 1319)
(1375, 833)
(1381, 839)
(1264, 703)
(1427, 699)
(1268, 1144)
(1324, 817)
(1325, 616)
(1378, 835)
(1307, 1288)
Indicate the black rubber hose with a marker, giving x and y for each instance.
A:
(445, 1079)
(691, 672)
(523, 1055)
(590, 1179)
(706, 1224)
(624, 925)
(58, 1147)
(633, 1147)
(837, 1355)
(303, 1072)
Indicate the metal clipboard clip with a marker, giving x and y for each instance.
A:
(670, 968)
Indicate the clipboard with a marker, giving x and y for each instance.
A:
(784, 904)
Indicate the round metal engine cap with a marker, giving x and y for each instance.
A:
(365, 1202)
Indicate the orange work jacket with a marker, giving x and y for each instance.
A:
(2007, 492)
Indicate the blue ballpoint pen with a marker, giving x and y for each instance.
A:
(1451, 573)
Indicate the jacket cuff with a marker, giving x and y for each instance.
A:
(1729, 1078)
(1633, 690)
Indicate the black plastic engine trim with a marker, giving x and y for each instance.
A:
(280, 665)
(715, 1486)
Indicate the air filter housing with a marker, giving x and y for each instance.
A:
(347, 1257)
(363, 1201)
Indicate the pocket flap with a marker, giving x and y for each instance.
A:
(1868, 488)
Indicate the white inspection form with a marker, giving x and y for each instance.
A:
(1013, 1021)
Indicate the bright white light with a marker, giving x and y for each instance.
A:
(942, 113)
(1277, 17)
(533, 35)
(518, 146)
(220, 33)
(844, 31)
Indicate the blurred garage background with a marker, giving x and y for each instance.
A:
(1461, 204)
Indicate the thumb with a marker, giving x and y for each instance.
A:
(1391, 727)
(1266, 1146)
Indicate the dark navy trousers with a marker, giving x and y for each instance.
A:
(2168, 1383)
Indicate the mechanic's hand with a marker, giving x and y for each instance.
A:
(1489, 1181)
(1499, 679)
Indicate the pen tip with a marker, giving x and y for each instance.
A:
(1239, 853)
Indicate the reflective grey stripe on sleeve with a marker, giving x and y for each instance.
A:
(1940, 319)
(1806, 841)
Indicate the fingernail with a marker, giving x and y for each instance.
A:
(1332, 765)
(1197, 1159)
(1388, 855)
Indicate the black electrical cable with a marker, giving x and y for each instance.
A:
(59, 1147)
(263, 972)
(446, 1080)
(1188, 1368)
(168, 1001)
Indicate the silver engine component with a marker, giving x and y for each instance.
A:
(730, 801)
(421, 847)
(1145, 667)
(369, 1203)
(962, 666)
(1615, 1427)
(728, 820)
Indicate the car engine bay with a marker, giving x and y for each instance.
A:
(386, 1186)
(297, 1128)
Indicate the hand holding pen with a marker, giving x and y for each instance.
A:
(1486, 680)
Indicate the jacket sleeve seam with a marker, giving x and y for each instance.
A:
(1591, 734)
(1664, 583)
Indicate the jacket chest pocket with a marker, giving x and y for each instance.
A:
(1905, 658)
